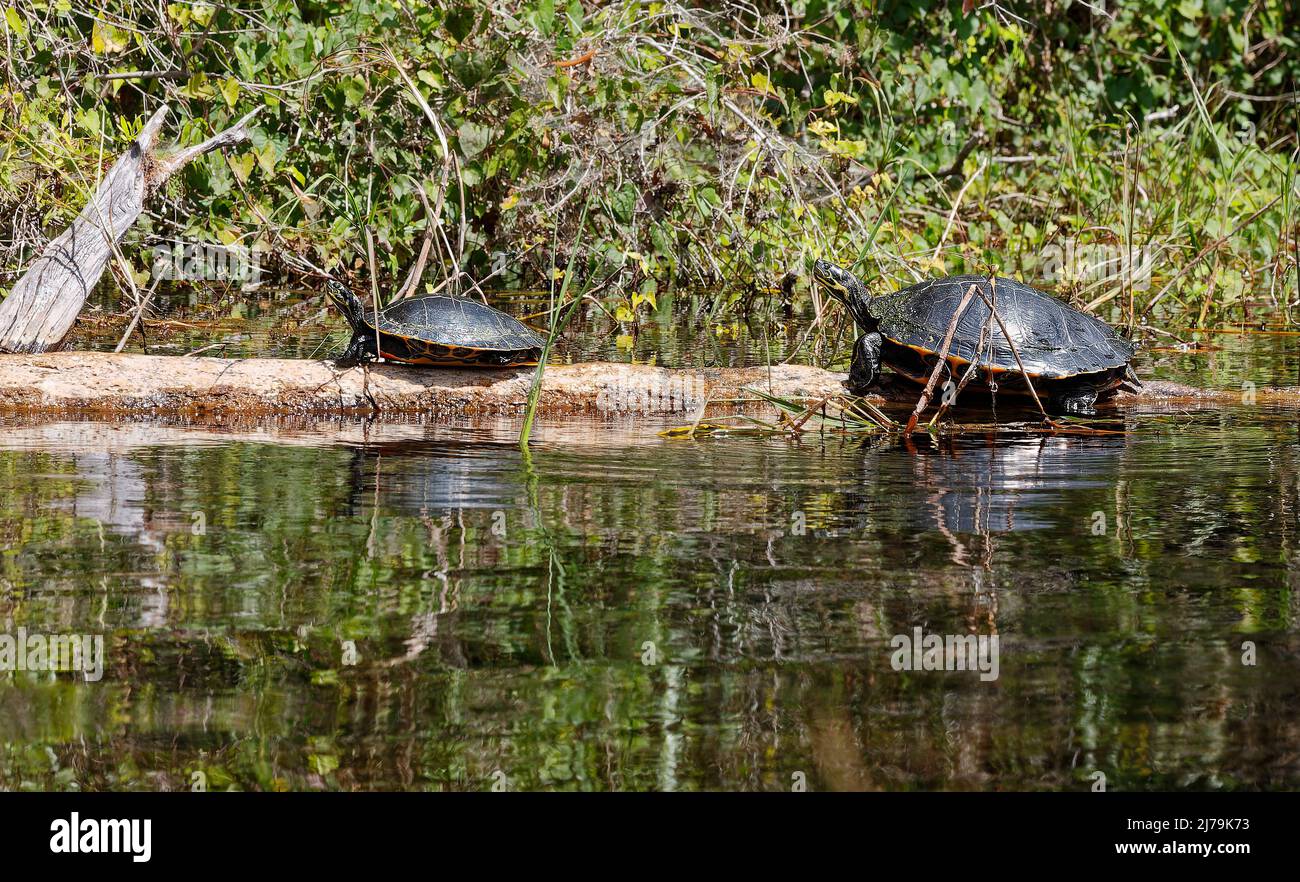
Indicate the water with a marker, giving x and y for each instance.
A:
(339, 605)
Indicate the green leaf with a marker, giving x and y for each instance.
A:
(90, 120)
(242, 166)
(230, 91)
(646, 294)
(197, 87)
(266, 158)
(323, 763)
(545, 15)
(247, 66)
(15, 21)
(108, 40)
(576, 16)
(556, 87)
(354, 91)
(474, 138)
(430, 79)
(624, 202)
(460, 23)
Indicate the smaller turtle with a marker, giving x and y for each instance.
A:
(1070, 356)
(437, 330)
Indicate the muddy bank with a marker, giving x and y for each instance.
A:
(106, 383)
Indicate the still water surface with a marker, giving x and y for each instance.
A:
(339, 606)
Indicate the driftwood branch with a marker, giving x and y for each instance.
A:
(41, 309)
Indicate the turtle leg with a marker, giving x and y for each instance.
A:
(1081, 401)
(864, 370)
(356, 353)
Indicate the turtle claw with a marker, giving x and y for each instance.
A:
(856, 388)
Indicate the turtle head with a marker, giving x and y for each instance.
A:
(345, 302)
(846, 288)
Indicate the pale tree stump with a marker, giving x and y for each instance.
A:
(41, 309)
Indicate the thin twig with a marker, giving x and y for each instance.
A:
(141, 305)
(447, 160)
(952, 215)
(412, 283)
(924, 401)
(1012, 344)
(969, 375)
(1206, 251)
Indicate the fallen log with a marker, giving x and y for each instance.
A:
(105, 382)
(98, 382)
(41, 309)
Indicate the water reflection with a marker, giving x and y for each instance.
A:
(421, 607)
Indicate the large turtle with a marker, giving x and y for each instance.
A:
(1071, 357)
(436, 330)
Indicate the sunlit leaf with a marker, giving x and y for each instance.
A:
(15, 22)
(230, 91)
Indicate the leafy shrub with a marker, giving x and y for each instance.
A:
(717, 146)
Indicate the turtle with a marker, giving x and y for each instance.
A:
(437, 330)
(1072, 358)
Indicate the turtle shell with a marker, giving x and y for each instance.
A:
(444, 330)
(1054, 340)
